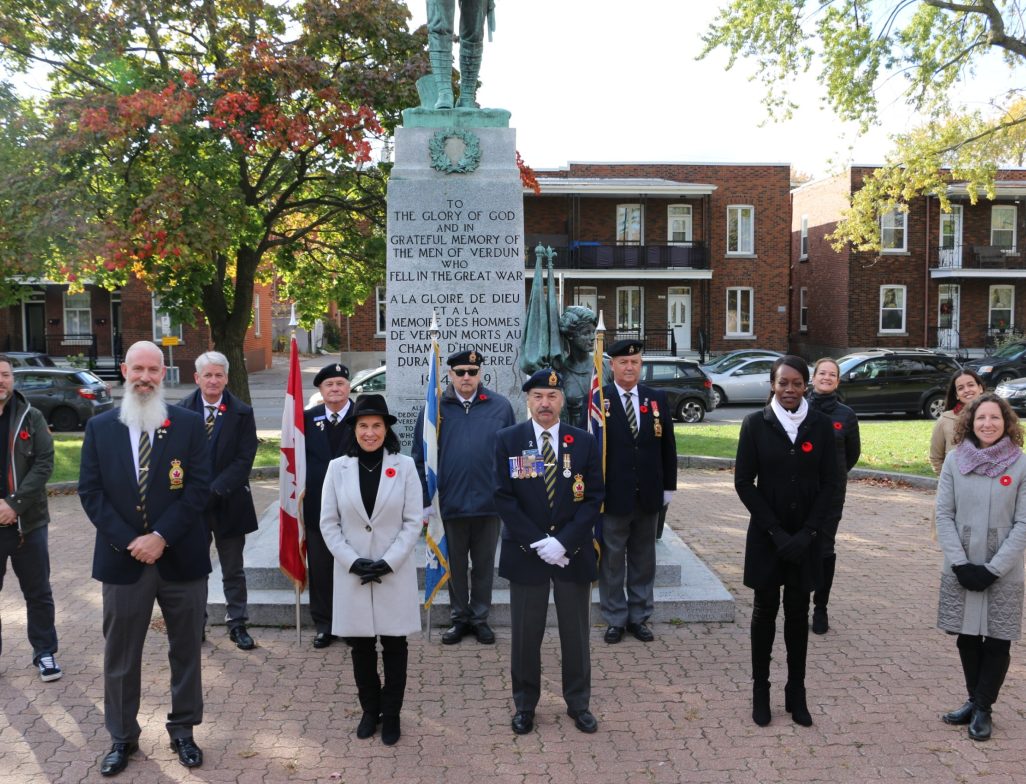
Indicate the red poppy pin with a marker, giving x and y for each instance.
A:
(23, 435)
(568, 439)
(838, 426)
(644, 409)
(482, 396)
(167, 423)
(222, 408)
(1006, 480)
(389, 472)
(806, 446)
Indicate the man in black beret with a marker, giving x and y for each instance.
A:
(641, 463)
(326, 439)
(471, 416)
(548, 491)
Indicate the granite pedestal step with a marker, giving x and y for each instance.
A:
(686, 590)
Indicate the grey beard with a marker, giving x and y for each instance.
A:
(146, 415)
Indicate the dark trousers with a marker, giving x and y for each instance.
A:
(30, 560)
(376, 698)
(796, 629)
(320, 572)
(985, 663)
(127, 610)
(528, 606)
(628, 557)
(233, 577)
(475, 537)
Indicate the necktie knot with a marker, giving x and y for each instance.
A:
(466, 407)
(334, 417)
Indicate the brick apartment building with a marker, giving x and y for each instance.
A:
(100, 324)
(686, 256)
(948, 281)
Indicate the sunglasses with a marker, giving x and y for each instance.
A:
(466, 372)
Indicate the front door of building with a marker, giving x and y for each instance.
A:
(948, 296)
(678, 316)
(950, 251)
(35, 322)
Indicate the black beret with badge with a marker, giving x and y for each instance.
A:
(331, 371)
(626, 348)
(468, 357)
(546, 378)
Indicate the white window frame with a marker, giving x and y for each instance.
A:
(585, 296)
(158, 327)
(256, 314)
(996, 210)
(380, 310)
(803, 250)
(737, 330)
(627, 232)
(75, 313)
(685, 215)
(889, 223)
(1010, 320)
(745, 234)
(803, 309)
(902, 308)
(632, 292)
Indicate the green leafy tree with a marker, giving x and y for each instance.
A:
(935, 47)
(204, 145)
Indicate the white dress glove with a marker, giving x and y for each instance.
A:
(668, 496)
(551, 551)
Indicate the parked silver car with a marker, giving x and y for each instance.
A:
(746, 382)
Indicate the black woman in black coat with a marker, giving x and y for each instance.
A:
(826, 375)
(786, 475)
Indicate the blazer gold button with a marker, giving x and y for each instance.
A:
(138, 509)
(367, 528)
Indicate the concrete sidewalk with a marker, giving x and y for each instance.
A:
(675, 710)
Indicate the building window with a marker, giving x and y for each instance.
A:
(1002, 307)
(893, 227)
(78, 314)
(741, 229)
(892, 309)
(740, 303)
(678, 223)
(163, 325)
(585, 297)
(628, 224)
(804, 250)
(379, 310)
(628, 309)
(803, 309)
(1002, 227)
(256, 315)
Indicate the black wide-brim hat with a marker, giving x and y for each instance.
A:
(370, 405)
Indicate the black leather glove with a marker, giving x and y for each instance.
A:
(381, 568)
(780, 537)
(974, 577)
(794, 550)
(362, 567)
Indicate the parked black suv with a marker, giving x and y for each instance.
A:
(884, 380)
(687, 388)
(1003, 365)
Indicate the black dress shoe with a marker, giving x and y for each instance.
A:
(523, 722)
(980, 725)
(367, 726)
(456, 632)
(322, 640)
(584, 720)
(641, 632)
(116, 759)
(241, 638)
(613, 634)
(959, 715)
(484, 634)
(189, 754)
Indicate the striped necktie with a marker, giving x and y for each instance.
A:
(549, 457)
(211, 418)
(632, 418)
(334, 417)
(144, 472)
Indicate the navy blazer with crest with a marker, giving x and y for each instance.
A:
(524, 506)
(319, 453)
(108, 488)
(233, 448)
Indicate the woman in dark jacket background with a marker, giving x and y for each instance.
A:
(826, 375)
(786, 475)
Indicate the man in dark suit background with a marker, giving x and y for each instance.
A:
(144, 482)
(230, 514)
(326, 438)
(548, 493)
(641, 463)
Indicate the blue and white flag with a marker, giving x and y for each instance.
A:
(436, 570)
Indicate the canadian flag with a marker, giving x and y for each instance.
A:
(292, 478)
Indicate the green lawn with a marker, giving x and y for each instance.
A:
(886, 446)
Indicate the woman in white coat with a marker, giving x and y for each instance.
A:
(981, 527)
(371, 518)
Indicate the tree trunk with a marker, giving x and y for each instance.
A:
(229, 322)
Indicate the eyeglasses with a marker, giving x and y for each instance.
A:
(461, 372)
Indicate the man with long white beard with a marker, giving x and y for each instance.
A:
(143, 483)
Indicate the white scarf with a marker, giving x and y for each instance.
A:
(788, 420)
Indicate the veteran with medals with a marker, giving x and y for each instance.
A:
(548, 519)
(144, 483)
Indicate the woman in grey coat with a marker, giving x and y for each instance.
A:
(981, 527)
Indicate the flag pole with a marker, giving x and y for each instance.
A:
(433, 333)
(293, 323)
(600, 339)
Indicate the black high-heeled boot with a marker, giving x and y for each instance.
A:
(969, 651)
(368, 685)
(795, 704)
(394, 658)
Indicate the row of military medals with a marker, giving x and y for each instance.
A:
(532, 466)
(657, 425)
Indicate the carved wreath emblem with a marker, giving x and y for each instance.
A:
(443, 152)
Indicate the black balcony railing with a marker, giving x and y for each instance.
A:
(978, 257)
(70, 344)
(597, 255)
